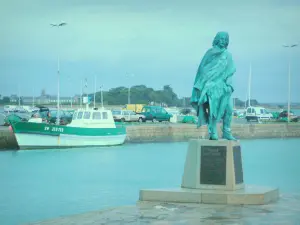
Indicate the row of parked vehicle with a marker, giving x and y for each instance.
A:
(47, 115)
(261, 114)
(148, 113)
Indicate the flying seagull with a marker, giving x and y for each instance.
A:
(290, 46)
(58, 25)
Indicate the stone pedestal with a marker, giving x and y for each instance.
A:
(213, 173)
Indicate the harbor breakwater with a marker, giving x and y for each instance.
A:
(183, 132)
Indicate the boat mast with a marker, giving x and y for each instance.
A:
(87, 97)
(81, 94)
(95, 86)
(19, 94)
(101, 92)
(57, 117)
(32, 97)
(71, 98)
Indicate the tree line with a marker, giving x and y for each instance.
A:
(141, 94)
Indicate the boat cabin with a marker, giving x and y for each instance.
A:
(93, 118)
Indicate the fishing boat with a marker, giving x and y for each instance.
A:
(89, 127)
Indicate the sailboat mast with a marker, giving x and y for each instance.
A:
(81, 93)
(101, 91)
(19, 95)
(32, 97)
(95, 91)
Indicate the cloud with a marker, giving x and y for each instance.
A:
(149, 37)
(115, 31)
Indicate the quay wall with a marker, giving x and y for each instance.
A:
(183, 132)
(7, 139)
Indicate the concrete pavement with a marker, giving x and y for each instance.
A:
(284, 212)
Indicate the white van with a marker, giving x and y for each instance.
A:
(257, 114)
(9, 108)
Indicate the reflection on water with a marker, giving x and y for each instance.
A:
(37, 185)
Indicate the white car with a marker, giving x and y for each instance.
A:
(128, 116)
(257, 114)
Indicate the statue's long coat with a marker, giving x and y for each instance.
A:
(213, 84)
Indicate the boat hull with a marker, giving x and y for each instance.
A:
(39, 135)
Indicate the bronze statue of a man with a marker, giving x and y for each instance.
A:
(211, 95)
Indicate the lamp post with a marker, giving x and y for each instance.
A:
(71, 97)
(249, 85)
(58, 77)
(101, 92)
(129, 75)
(289, 79)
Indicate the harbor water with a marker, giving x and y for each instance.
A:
(38, 185)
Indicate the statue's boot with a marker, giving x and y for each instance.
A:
(212, 129)
(226, 128)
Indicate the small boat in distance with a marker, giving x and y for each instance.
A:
(89, 127)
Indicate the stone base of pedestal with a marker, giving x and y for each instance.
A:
(250, 195)
(213, 174)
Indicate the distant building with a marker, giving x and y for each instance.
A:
(77, 98)
(44, 100)
(27, 100)
(62, 100)
(13, 99)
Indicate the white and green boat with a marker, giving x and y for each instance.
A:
(89, 127)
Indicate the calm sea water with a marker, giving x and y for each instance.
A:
(42, 184)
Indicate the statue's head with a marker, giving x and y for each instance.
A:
(221, 40)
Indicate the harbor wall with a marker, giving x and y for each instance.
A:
(166, 133)
(7, 139)
(183, 132)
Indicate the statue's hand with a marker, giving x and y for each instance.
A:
(228, 89)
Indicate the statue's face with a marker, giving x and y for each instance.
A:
(222, 41)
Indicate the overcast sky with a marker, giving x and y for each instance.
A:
(159, 41)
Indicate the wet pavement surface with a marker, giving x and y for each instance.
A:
(284, 212)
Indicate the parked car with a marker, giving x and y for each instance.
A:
(283, 116)
(156, 113)
(128, 116)
(257, 114)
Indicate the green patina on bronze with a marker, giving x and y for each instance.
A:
(211, 95)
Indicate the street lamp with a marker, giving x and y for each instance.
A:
(129, 75)
(19, 95)
(57, 116)
(289, 78)
(101, 92)
(71, 97)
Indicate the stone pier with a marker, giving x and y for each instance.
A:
(285, 211)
